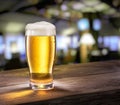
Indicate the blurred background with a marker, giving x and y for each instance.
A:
(87, 30)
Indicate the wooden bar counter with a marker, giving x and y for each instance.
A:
(96, 83)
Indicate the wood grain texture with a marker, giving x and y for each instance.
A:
(96, 83)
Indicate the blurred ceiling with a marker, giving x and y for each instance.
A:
(61, 8)
(24, 11)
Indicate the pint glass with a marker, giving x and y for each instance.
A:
(40, 50)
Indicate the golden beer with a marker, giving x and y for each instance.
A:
(40, 50)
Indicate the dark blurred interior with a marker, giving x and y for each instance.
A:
(87, 30)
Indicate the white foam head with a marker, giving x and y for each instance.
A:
(40, 28)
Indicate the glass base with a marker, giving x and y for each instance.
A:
(38, 86)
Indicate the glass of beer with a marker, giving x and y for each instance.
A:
(40, 50)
